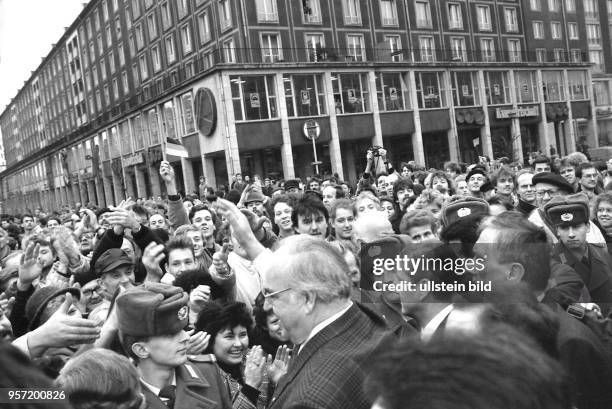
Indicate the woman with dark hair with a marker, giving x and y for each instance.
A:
(603, 217)
(268, 331)
(229, 326)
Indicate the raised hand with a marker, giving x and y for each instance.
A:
(220, 260)
(167, 174)
(241, 228)
(29, 269)
(122, 218)
(152, 256)
(254, 368)
(6, 304)
(278, 365)
(62, 330)
(198, 342)
(198, 297)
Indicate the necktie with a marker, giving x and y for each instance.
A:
(169, 393)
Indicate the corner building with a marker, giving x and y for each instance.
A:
(242, 83)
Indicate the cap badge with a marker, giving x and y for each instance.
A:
(464, 211)
(182, 313)
(567, 217)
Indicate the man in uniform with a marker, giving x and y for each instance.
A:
(151, 322)
(592, 262)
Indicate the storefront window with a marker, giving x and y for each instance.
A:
(526, 90)
(169, 124)
(553, 86)
(254, 97)
(392, 91)
(351, 93)
(497, 87)
(153, 124)
(465, 88)
(114, 142)
(304, 95)
(137, 131)
(430, 89)
(126, 144)
(187, 109)
(104, 154)
(602, 95)
(578, 85)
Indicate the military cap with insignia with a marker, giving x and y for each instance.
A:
(152, 309)
(460, 207)
(564, 211)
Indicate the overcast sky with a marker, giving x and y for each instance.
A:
(27, 30)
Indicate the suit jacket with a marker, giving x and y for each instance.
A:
(198, 386)
(586, 361)
(329, 371)
(596, 277)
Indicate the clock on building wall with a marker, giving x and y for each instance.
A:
(206, 111)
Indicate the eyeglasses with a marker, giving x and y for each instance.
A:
(550, 193)
(273, 294)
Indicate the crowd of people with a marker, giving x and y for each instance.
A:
(269, 294)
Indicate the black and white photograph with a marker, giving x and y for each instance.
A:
(306, 204)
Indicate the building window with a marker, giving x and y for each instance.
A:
(593, 34)
(271, 50)
(118, 27)
(109, 36)
(514, 50)
(484, 18)
(601, 93)
(253, 97)
(311, 11)
(352, 12)
(541, 54)
(105, 10)
(576, 55)
(152, 26)
(558, 54)
(107, 98)
(388, 13)
(596, 57)
(100, 45)
(136, 75)
(183, 7)
(121, 54)
(103, 69)
(144, 71)
(139, 36)
(465, 88)
(526, 87)
(455, 18)
(186, 39)
(115, 89)
(458, 50)
(136, 9)
(591, 9)
(497, 87)
(156, 57)
(351, 93)
(536, 5)
(554, 5)
(578, 85)
(553, 86)
(573, 31)
(538, 29)
(609, 9)
(570, 6)
(395, 47)
(225, 14)
(511, 18)
(166, 15)
(204, 27)
(392, 91)
(266, 11)
(427, 47)
(423, 14)
(125, 82)
(555, 30)
(487, 47)
(186, 102)
(229, 51)
(94, 73)
(431, 92)
(304, 95)
(355, 47)
(111, 62)
(315, 42)
(170, 49)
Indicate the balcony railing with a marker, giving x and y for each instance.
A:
(267, 17)
(389, 21)
(353, 20)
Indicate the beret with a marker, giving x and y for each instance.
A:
(109, 260)
(463, 206)
(152, 309)
(476, 170)
(569, 210)
(552, 179)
